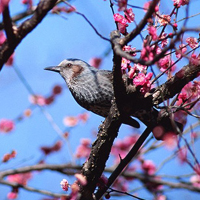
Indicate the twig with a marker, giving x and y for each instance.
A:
(31, 189)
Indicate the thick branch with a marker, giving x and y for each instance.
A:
(26, 27)
(95, 165)
(8, 25)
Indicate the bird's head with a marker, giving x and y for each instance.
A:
(70, 69)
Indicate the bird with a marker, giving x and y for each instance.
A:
(92, 89)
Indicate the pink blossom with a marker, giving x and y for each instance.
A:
(3, 4)
(130, 16)
(160, 197)
(6, 125)
(81, 179)
(121, 147)
(75, 189)
(121, 184)
(130, 50)
(122, 22)
(142, 79)
(164, 42)
(122, 4)
(12, 195)
(28, 2)
(195, 180)
(37, 99)
(140, 67)
(182, 49)
(170, 140)
(131, 72)
(147, 53)
(147, 4)
(70, 121)
(64, 184)
(182, 155)
(192, 42)
(194, 59)
(179, 3)
(95, 62)
(102, 182)
(2, 37)
(83, 117)
(125, 63)
(148, 167)
(119, 18)
(83, 150)
(166, 62)
(152, 31)
(56, 147)
(20, 178)
(164, 19)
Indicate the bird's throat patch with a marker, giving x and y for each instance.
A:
(77, 69)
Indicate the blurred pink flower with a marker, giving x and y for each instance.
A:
(148, 167)
(181, 51)
(122, 4)
(6, 125)
(152, 31)
(83, 150)
(170, 140)
(192, 42)
(195, 180)
(70, 121)
(164, 19)
(20, 178)
(147, 4)
(95, 62)
(3, 4)
(37, 99)
(12, 195)
(130, 16)
(182, 155)
(81, 179)
(56, 147)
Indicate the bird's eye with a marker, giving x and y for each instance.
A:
(69, 64)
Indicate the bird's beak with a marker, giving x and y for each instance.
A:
(54, 68)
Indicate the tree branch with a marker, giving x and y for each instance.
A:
(31, 189)
(26, 27)
(8, 25)
(124, 162)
